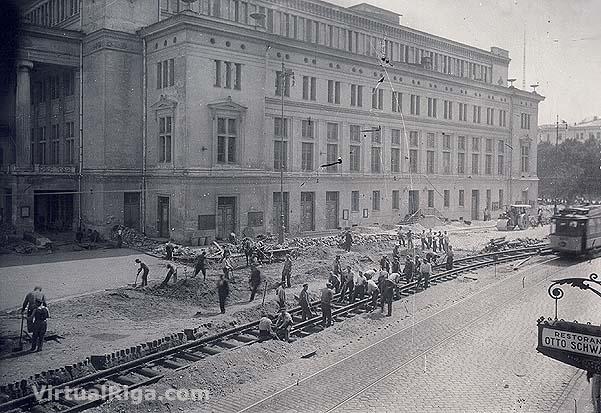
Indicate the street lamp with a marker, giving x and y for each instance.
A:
(563, 123)
(285, 74)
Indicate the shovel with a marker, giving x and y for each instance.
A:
(20, 346)
(135, 282)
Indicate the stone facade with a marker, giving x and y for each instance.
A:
(182, 105)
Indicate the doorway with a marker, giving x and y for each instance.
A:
(413, 202)
(131, 210)
(226, 216)
(163, 215)
(331, 210)
(475, 204)
(307, 211)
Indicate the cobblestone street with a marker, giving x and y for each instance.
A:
(475, 355)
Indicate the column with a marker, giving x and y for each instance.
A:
(23, 111)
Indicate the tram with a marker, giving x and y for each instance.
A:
(576, 230)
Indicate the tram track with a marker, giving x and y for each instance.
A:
(149, 369)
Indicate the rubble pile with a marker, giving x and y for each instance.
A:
(334, 240)
(136, 239)
(501, 244)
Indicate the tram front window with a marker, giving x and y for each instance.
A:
(567, 227)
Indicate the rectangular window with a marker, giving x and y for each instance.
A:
(525, 121)
(502, 118)
(356, 95)
(475, 144)
(227, 133)
(217, 73)
(429, 162)
(376, 159)
(280, 153)
(355, 201)
(448, 110)
(395, 136)
(413, 160)
(307, 129)
(461, 163)
(165, 134)
(415, 104)
(501, 200)
(462, 111)
(446, 141)
(475, 164)
(69, 83)
(488, 164)
(355, 132)
(447, 198)
(500, 164)
(396, 199)
(395, 160)
(446, 163)
(376, 135)
(397, 101)
(69, 143)
(238, 76)
(280, 128)
(461, 198)
(476, 114)
(525, 158)
(432, 105)
(54, 145)
(337, 93)
(430, 198)
(282, 82)
(377, 98)
(330, 91)
(375, 200)
(360, 96)
(413, 139)
(42, 146)
(430, 140)
(353, 95)
(307, 156)
(165, 73)
(332, 156)
(332, 131)
(461, 143)
(355, 158)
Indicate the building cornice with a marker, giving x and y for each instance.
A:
(111, 39)
(53, 33)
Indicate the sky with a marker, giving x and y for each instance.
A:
(563, 43)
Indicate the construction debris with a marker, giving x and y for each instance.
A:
(501, 244)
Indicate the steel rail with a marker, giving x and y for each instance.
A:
(29, 401)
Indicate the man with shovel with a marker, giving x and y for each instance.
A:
(144, 270)
(30, 304)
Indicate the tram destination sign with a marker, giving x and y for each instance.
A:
(572, 343)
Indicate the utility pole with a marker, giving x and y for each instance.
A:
(285, 74)
(563, 122)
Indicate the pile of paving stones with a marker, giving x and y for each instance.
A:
(501, 244)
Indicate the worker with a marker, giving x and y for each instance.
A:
(248, 248)
(422, 238)
(408, 269)
(434, 244)
(373, 292)
(326, 305)
(360, 284)
(595, 380)
(387, 295)
(228, 267)
(450, 258)
(119, 236)
(347, 284)
(305, 303)
(384, 263)
(280, 292)
(172, 272)
(429, 239)
(540, 217)
(254, 281)
(144, 270)
(334, 281)
(401, 236)
(30, 304)
(201, 265)
(283, 325)
(425, 272)
(169, 247)
(445, 239)
(40, 325)
(337, 267)
(396, 264)
(287, 271)
(265, 327)
(348, 241)
(223, 291)
(417, 267)
(396, 251)
(410, 239)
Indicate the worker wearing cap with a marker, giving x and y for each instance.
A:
(374, 292)
(334, 281)
(254, 280)
(326, 305)
(40, 325)
(425, 272)
(265, 327)
(280, 292)
(30, 304)
(144, 270)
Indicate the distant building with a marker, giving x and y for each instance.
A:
(585, 129)
(176, 128)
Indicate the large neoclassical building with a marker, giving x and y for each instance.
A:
(194, 119)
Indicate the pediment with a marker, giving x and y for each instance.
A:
(227, 104)
(164, 103)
